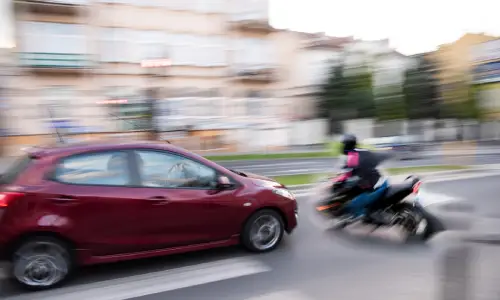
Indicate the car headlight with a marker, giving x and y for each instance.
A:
(284, 193)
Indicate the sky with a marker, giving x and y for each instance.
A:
(412, 26)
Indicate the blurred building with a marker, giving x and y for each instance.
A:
(79, 66)
(454, 62)
(82, 59)
(306, 59)
(486, 76)
(387, 65)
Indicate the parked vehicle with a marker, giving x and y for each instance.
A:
(395, 208)
(66, 206)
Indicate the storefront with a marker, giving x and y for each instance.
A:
(128, 107)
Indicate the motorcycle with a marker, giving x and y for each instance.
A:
(398, 206)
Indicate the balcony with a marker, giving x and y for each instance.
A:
(55, 62)
(255, 21)
(257, 73)
(71, 7)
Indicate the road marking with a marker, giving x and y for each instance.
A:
(461, 177)
(153, 283)
(282, 295)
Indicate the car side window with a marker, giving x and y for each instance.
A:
(162, 169)
(105, 168)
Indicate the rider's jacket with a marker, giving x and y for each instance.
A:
(363, 164)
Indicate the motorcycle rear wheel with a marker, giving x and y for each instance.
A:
(413, 222)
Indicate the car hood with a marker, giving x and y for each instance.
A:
(263, 181)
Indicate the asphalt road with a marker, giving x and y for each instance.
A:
(320, 165)
(310, 265)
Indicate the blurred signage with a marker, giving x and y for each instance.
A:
(155, 63)
(117, 101)
(61, 124)
(486, 73)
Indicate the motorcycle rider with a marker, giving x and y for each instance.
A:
(361, 172)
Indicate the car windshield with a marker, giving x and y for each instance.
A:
(11, 174)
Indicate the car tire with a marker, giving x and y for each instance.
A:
(41, 263)
(264, 225)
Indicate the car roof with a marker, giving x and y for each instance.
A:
(61, 150)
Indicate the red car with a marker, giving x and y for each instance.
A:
(81, 204)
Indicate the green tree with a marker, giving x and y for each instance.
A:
(460, 101)
(420, 92)
(390, 104)
(332, 97)
(360, 94)
(346, 96)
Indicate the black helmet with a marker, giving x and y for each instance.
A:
(349, 142)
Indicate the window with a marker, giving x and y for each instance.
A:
(194, 50)
(119, 45)
(252, 51)
(161, 169)
(152, 45)
(47, 37)
(254, 102)
(105, 168)
(211, 6)
(214, 51)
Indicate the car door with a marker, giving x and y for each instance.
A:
(94, 193)
(191, 209)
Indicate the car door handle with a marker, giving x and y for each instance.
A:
(159, 200)
(64, 200)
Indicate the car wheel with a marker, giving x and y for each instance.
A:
(263, 231)
(41, 263)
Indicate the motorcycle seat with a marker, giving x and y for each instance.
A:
(401, 190)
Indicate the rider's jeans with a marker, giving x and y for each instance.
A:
(358, 205)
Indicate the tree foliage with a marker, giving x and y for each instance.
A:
(420, 90)
(390, 104)
(343, 97)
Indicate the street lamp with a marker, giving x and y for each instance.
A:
(152, 95)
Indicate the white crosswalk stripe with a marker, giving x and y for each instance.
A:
(282, 295)
(153, 283)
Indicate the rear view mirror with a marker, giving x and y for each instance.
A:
(223, 182)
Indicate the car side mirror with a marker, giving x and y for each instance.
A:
(224, 183)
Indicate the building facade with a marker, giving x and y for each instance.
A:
(454, 64)
(79, 62)
(306, 59)
(486, 76)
